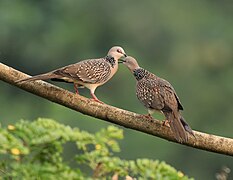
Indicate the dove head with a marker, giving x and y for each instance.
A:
(117, 52)
(131, 63)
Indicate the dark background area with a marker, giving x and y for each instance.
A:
(188, 43)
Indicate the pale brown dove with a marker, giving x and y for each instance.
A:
(89, 73)
(157, 94)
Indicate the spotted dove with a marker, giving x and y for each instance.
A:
(89, 73)
(157, 94)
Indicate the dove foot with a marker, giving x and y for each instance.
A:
(147, 116)
(166, 123)
(76, 88)
(94, 98)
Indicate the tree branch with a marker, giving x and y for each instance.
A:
(112, 114)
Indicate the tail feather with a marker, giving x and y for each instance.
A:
(39, 77)
(186, 126)
(177, 127)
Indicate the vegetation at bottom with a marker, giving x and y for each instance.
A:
(35, 150)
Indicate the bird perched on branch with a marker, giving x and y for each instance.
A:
(89, 73)
(157, 94)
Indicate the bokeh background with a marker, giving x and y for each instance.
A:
(188, 43)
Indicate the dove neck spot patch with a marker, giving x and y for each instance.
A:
(111, 60)
(139, 73)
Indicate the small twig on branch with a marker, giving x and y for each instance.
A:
(112, 114)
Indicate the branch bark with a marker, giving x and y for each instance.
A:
(208, 142)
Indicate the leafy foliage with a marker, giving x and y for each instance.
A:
(35, 149)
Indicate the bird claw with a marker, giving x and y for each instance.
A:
(94, 98)
(147, 116)
(97, 100)
(166, 123)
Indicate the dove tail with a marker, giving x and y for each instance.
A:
(39, 77)
(177, 127)
(186, 126)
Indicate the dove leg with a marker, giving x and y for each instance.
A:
(95, 98)
(76, 88)
(92, 91)
(148, 116)
(150, 112)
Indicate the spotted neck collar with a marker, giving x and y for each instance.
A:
(111, 60)
(139, 73)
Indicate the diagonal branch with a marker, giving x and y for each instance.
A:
(112, 114)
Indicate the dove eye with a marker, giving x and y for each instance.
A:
(119, 51)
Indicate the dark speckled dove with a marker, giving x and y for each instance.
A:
(89, 73)
(157, 94)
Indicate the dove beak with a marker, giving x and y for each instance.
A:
(121, 61)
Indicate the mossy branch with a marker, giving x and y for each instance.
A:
(208, 142)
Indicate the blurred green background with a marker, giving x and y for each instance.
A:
(188, 43)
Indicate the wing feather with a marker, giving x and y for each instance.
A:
(88, 71)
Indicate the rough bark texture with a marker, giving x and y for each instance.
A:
(112, 114)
